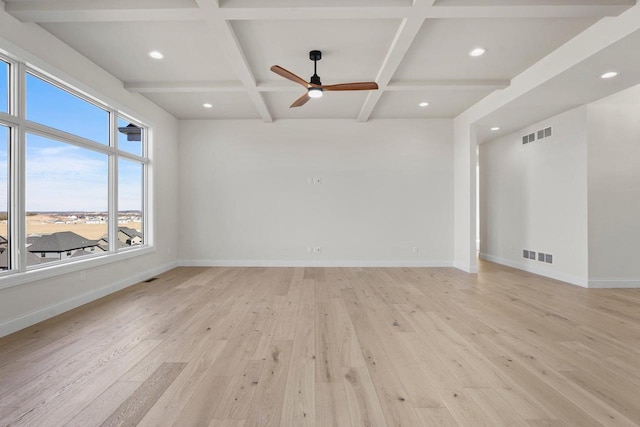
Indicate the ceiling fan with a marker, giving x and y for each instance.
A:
(314, 86)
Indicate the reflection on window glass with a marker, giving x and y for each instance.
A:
(66, 201)
(130, 137)
(4, 197)
(51, 106)
(130, 193)
(4, 87)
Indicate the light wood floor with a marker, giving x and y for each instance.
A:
(332, 347)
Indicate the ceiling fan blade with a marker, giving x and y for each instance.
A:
(289, 75)
(301, 101)
(352, 86)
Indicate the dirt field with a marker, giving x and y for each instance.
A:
(43, 224)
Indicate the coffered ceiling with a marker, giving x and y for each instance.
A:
(219, 52)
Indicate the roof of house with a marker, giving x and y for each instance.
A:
(31, 259)
(131, 232)
(59, 242)
(103, 242)
(80, 252)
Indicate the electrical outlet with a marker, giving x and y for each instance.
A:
(317, 180)
(317, 250)
(309, 250)
(416, 249)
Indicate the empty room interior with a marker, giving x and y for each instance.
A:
(319, 213)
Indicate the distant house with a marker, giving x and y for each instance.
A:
(103, 243)
(60, 245)
(129, 236)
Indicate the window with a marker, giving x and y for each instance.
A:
(5, 259)
(57, 108)
(130, 202)
(130, 137)
(66, 198)
(4, 87)
(83, 165)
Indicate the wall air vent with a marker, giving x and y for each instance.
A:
(540, 134)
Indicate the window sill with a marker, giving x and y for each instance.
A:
(10, 279)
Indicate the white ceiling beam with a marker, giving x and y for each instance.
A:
(269, 87)
(403, 39)
(434, 12)
(230, 45)
(433, 85)
(43, 11)
(543, 11)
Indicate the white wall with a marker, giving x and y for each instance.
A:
(27, 303)
(465, 164)
(614, 191)
(534, 197)
(387, 187)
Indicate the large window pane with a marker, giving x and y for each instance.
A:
(130, 137)
(4, 87)
(130, 197)
(51, 106)
(66, 200)
(4, 197)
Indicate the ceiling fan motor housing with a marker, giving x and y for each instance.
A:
(315, 55)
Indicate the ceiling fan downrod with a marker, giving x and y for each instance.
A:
(315, 56)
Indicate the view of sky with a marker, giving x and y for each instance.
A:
(4, 87)
(64, 177)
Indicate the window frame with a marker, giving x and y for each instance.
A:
(19, 127)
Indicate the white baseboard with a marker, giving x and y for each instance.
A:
(473, 269)
(12, 325)
(310, 263)
(531, 268)
(614, 283)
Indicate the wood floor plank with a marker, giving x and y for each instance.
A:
(362, 400)
(248, 346)
(299, 406)
(266, 408)
(170, 406)
(132, 410)
(105, 404)
(331, 405)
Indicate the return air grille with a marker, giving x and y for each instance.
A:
(541, 134)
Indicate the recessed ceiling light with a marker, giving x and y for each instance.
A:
(156, 55)
(424, 104)
(207, 105)
(609, 75)
(495, 128)
(478, 51)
